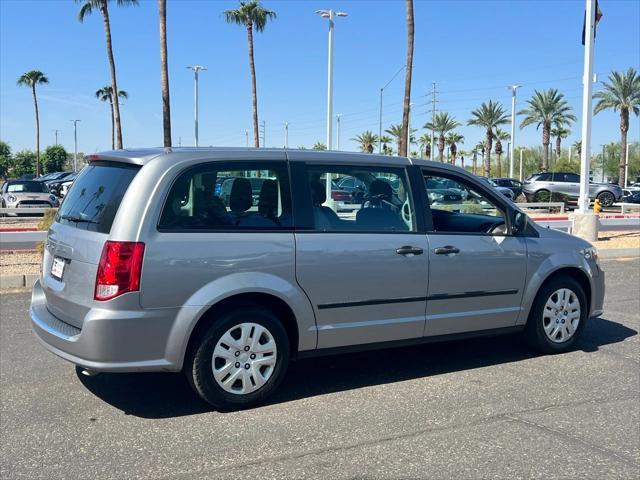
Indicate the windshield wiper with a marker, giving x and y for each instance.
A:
(71, 218)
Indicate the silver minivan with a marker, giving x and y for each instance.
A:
(149, 267)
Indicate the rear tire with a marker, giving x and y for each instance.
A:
(558, 316)
(240, 359)
(542, 196)
(606, 199)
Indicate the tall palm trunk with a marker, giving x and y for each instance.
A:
(487, 158)
(498, 165)
(112, 67)
(624, 128)
(164, 74)
(441, 148)
(252, 67)
(546, 139)
(113, 128)
(558, 147)
(35, 104)
(403, 148)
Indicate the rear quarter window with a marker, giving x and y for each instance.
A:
(94, 199)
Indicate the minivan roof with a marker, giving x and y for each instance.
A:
(143, 156)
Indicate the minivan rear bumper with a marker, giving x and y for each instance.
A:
(109, 341)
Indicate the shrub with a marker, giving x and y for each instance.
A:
(45, 223)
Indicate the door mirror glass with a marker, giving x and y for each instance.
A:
(519, 222)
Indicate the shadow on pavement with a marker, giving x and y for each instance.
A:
(163, 395)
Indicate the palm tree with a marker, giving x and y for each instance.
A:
(319, 146)
(559, 132)
(31, 79)
(88, 6)
(385, 140)
(489, 116)
(404, 149)
(577, 146)
(453, 139)
(547, 108)
(425, 145)
(367, 140)
(500, 136)
(621, 93)
(442, 124)
(251, 14)
(395, 131)
(164, 74)
(105, 94)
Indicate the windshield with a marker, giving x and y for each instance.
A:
(94, 200)
(33, 187)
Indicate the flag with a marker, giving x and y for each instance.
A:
(584, 23)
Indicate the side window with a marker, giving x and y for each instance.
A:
(571, 177)
(379, 201)
(544, 177)
(229, 196)
(457, 207)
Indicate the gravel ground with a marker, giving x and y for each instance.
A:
(12, 263)
(621, 239)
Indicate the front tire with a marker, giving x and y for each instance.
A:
(240, 359)
(558, 316)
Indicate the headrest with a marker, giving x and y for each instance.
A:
(381, 189)
(268, 201)
(318, 193)
(241, 198)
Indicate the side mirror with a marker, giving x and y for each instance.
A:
(519, 222)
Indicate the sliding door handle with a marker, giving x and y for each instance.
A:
(446, 250)
(409, 250)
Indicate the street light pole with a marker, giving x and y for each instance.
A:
(433, 118)
(587, 87)
(330, 15)
(513, 89)
(286, 134)
(603, 157)
(196, 69)
(75, 145)
(338, 115)
(626, 168)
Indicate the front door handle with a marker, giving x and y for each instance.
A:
(409, 250)
(446, 250)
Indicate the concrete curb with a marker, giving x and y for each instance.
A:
(18, 281)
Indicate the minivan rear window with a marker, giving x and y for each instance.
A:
(94, 199)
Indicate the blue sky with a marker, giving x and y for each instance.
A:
(472, 49)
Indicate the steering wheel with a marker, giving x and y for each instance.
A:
(406, 213)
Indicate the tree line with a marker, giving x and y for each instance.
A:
(547, 110)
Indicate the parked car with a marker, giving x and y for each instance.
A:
(507, 192)
(631, 197)
(26, 194)
(541, 187)
(66, 185)
(514, 185)
(56, 186)
(441, 192)
(144, 269)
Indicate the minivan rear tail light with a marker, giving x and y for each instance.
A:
(119, 269)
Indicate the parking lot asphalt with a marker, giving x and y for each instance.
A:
(485, 408)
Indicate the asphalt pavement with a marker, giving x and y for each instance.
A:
(485, 408)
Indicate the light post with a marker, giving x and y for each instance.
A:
(330, 15)
(286, 134)
(196, 69)
(75, 144)
(513, 89)
(338, 115)
(603, 158)
(381, 91)
(626, 168)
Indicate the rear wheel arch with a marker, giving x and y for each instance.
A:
(274, 304)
